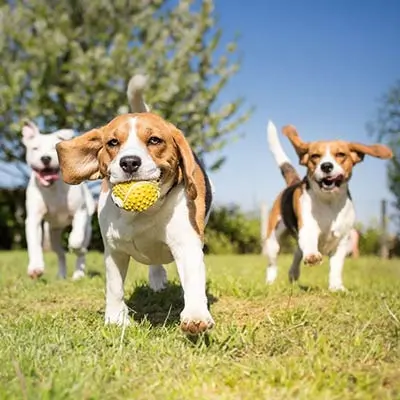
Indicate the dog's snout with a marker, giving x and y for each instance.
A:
(327, 167)
(45, 160)
(130, 164)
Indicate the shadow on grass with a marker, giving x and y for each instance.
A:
(160, 308)
(309, 289)
(93, 274)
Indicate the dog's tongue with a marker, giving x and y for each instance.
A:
(47, 176)
(334, 178)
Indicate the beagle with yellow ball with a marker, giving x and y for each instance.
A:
(144, 147)
(318, 209)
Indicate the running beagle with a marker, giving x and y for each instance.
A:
(143, 146)
(318, 209)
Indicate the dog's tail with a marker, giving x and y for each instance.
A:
(287, 169)
(136, 86)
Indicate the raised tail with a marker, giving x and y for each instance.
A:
(288, 171)
(136, 86)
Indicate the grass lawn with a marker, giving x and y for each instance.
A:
(280, 342)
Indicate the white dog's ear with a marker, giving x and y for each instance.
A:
(29, 131)
(65, 134)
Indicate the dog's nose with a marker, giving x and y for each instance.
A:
(130, 164)
(327, 167)
(45, 160)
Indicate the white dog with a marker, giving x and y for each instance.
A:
(318, 209)
(51, 200)
(143, 146)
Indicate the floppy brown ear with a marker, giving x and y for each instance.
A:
(189, 163)
(79, 157)
(358, 151)
(301, 147)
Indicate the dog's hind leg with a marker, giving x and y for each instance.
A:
(81, 253)
(79, 240)
(336, 263)
(294, 271)
(56, 245)
(273, 247)
(157, 277)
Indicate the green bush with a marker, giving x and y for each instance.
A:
(230, 231)
(12, 219)
(370, 241)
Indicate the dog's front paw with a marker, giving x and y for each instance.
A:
(75, 242)
(157, 278)
(272, 273)
(313, 259)
(196, 320)
(78, 275)
(337, 288)
(117, 315)
(35, 273)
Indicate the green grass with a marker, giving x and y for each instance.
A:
(280, 342)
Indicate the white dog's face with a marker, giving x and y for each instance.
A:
(41, 153)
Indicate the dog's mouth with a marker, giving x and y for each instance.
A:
(147, 179)
(47, 176)
(331, 183)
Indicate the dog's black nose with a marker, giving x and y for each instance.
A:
(45, 160)
(327, 167)
(130, 164)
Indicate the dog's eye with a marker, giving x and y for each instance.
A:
(113, 142)
(153, 140)
(35, 148)
(340, 154)
(315, 157)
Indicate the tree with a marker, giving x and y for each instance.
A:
(66, 64)
(387, 128)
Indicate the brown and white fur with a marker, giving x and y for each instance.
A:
(318, 210)
(143, 146)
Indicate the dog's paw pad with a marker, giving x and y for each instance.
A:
(313, 259)
(35, 273)
(196, 327)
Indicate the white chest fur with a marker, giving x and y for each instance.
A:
(333, 219)
(146, 236)
(58, 203)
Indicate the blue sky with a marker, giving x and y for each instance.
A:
(319, 65)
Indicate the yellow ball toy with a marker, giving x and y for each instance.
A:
(136, 196)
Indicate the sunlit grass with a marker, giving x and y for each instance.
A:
(280, 342)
